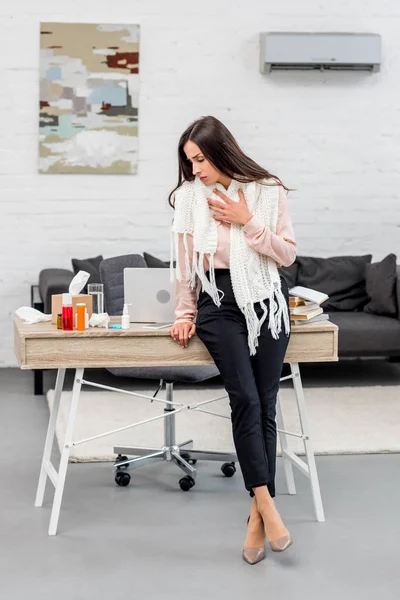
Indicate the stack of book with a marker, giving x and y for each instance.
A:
(304, 304)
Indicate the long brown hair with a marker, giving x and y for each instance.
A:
(219, 147)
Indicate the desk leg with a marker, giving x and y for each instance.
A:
(287, 464)
(62, 471)
(51, 429)
(305, 428)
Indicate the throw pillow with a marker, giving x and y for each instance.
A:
(155, 263)
(290, 274)
(341, 277)
(380, 279)
(91, 265)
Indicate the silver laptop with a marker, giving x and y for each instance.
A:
(151, 295)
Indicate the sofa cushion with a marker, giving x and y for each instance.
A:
(364, 334)
(156, 263)
(91, 266)
(380, 282)
(341, 277)
(153, 262)
(290, 274)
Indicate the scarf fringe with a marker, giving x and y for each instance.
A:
(192, 281)
(208, 286)
(278, 311)
(178, 262)
(213, 281)
(252, 327)
(273, 323)
(196, 267)
(195, 270)
(264, 316)
(188, 268)
(285, 313)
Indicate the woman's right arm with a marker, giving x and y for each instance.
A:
(185, 297)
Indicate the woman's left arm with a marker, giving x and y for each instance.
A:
(281, 246)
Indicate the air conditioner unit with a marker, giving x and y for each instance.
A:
(339, 51)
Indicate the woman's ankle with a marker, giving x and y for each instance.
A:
(263, 497)
(254, 512)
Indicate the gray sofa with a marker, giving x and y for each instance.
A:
(361, 333)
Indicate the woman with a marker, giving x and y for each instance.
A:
(231, 231)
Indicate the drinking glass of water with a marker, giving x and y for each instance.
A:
(96, 290)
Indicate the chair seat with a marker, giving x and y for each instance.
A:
(181, 374)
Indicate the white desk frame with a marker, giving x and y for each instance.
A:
(57, 478)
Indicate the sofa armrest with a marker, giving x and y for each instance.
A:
(53, 281)
(398, 291)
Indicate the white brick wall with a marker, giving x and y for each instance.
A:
(332, 136)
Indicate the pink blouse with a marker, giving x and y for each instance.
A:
(281, 246)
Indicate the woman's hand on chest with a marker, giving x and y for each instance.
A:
(228, 210)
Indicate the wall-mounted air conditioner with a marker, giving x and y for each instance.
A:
(339, 51)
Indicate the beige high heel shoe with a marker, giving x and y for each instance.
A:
(281, 543)
(253, 555)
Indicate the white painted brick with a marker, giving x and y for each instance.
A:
(331, 136)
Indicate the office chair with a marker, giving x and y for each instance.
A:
(182, 454)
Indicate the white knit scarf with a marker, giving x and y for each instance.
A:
(254, 276)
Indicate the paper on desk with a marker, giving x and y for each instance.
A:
(78, 283)
(99, 320)
(31, 315)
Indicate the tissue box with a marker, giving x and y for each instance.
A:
(56, 304)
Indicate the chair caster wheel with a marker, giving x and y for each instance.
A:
(121, 458)
(191, 461)
(187, 483)
(228, 469)
(122, 478)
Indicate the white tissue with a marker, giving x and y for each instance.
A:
(31, 315)
(99, 320)
(78, 283)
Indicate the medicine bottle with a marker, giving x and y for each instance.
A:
(67, 313)
(125, 320)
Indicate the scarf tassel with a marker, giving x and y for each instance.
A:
(209, 286)
(178, 265)
(213, 282)
(252, 323)
(278, 312)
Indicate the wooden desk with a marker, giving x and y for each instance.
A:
(42, 346)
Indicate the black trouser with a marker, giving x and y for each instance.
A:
(252, 382)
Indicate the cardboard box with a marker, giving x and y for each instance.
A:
(56, 304)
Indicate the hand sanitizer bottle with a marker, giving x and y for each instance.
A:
(125, 321)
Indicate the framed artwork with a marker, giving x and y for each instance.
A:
(89, 91)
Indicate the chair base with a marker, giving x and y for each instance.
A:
(180, 454)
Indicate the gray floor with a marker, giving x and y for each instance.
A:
(152, 541)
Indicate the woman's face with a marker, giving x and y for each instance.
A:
(201, 167)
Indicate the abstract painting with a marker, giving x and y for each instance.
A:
(89, 92)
